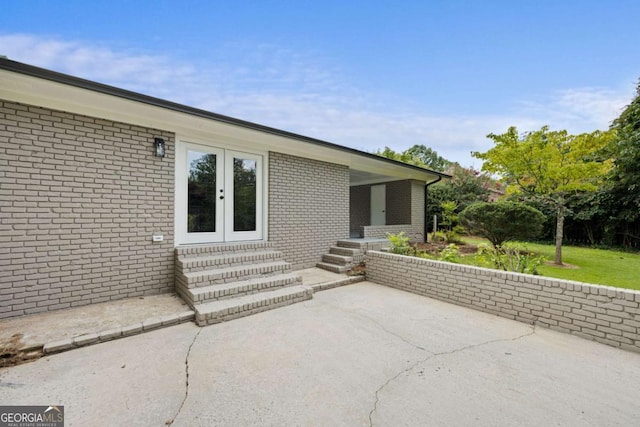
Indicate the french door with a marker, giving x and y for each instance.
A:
(219, 195)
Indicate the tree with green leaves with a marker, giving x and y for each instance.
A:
(624, 189)
(549, 166)
(449, 222)
(428, 157)
(418, 155)
(470, 185)
(502, 221)
(465, 187)
(403, 157)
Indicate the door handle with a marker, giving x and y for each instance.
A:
(221, 197)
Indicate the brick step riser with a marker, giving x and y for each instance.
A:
(191, 265)
(337, 259)
(203, 319)
(217, 279)
(333, 267)
(349, 245)
(218, 295)
(336, 250)
(358, 259)
(220, 249)
(199, 295)
(366, 245)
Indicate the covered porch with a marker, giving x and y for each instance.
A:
(389, 203)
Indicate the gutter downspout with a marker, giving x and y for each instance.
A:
(426, 192)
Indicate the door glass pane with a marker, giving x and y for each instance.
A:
(201, 214)
(244, 194)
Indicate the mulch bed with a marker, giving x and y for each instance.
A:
(431, 248)
(437, 247)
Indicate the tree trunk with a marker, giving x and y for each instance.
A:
(588, 230)
(559, 231)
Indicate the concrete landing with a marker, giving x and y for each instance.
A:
(320, 280)
(129, 316)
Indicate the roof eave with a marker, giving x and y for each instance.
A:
(65, 79)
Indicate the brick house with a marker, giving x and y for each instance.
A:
(107, 194)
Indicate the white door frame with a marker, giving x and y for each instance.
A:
(224, 181)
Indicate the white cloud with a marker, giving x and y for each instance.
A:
(93, 62)
(305, 94)
(578, 109)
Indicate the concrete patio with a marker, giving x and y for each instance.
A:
(357, 355)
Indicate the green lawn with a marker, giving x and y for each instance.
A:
(603, 267)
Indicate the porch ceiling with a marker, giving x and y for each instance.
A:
(357, 177)
(364, 171)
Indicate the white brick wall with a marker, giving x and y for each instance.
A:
(80, 198)
(308, 207)
(417, 208)
(604, 314)
(380, 231)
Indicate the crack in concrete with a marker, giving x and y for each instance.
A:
(433, 356)
(400, 337)
(186, 392)
(374, 321)
(430, 356)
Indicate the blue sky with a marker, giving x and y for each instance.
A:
(366, 74)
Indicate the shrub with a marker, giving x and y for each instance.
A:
(439, 236)
(450, 253)
(449, 220)
(425, 255)
(502, 221)
(509, 257)
(400, 243)
(454, 235)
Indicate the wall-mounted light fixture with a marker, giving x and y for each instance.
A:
(160, 147)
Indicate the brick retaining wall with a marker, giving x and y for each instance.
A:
(601, 313)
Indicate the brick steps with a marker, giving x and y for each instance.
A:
(201, 263)
(225, 281)
(352, 244)
(337, 259)
(242, 287)
(215, 276)
(335, 283)
(334, 268)
(339, 250)
(220, 249)
(342, 257)
(222, 310)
